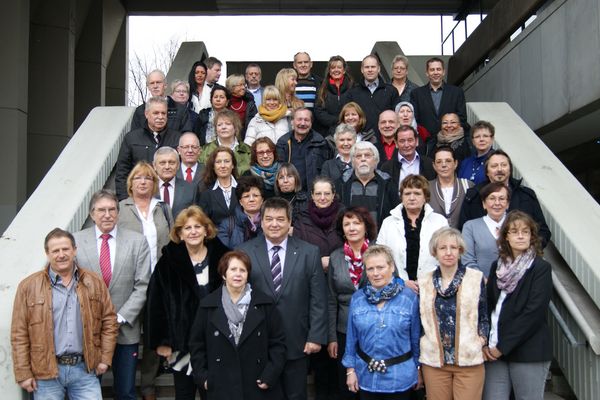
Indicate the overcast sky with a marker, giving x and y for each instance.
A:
(269, 38)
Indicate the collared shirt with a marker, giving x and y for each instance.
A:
(372, 86)
(408, 167)
(384, 333)
(226, 191)
(493, 226)
(171, 189)
(149, 231)
(388, 148)
(112, 244)
(436, 97)
(281, 252)
(365, 196)
(184, 168)
(232, 147)
(257, 93)
(66, 315)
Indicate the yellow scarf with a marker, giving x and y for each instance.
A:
(272, 116)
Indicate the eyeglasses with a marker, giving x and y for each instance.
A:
(366, 156)
(181, 91)
(264, 153)
(189, 147)
(102, 211)
(522, 232)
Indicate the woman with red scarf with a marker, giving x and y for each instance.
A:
(345, 276)
(241, 101)
(328, 105)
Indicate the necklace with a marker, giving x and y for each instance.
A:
(239, 108)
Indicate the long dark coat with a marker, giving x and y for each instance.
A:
(231, 371)
(174, 295)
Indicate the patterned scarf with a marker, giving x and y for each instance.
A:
(510, 272)
(236, 312)
(272, 116)
(267, 174)
(454, 284)
(387, 292)
(355, 264)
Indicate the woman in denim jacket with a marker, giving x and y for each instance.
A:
(382, 342)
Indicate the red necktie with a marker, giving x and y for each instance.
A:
(105, 259)
(166, 197)
(188, 176)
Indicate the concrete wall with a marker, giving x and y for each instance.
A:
(549, 73)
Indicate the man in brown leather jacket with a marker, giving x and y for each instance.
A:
(64, 326)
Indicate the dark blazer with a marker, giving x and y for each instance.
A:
(174, 295)
(523, 333)
(521, 198)
(326, 240)
(231, 371)
(453, 101)
(196, 178)
(303, 295)
(341, 290)
(385, 97)
(213, 203)
(185, 195)
(393, 167)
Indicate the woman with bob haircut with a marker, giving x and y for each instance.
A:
(518, 294)
(345, 276)
(455, 322)
(238, 343)
(242, 101)
(185, 274)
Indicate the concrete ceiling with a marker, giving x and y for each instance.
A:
(305, 7)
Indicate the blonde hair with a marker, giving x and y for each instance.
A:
(281, 82)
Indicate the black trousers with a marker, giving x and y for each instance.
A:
(364, 395)
(185, 387)
(293, 379)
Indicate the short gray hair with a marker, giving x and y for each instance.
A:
(156, 100)
(156, 71)
(164, 150)
(364, 145)
(179, 82)
(398, 58)
(344, 128)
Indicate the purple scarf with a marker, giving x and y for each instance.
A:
(510, 272)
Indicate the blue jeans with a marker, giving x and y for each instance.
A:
(124, 364)
(73, 380)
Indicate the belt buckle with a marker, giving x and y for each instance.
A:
(69, 359)
(377, 366)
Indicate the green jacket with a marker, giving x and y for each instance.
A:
(242, 155)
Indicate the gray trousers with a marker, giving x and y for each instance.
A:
(528, 380)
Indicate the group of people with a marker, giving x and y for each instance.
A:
(314, 224)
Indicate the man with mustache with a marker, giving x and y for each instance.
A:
(303, 147)
(498, 168)
(140, 144)
(365, 185)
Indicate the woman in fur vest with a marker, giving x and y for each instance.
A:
(455, 322)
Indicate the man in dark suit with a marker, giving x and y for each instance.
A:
(174, 191)
(122, 258)
(437, 98)
(289, 270)
(189, 150)
(406, 160)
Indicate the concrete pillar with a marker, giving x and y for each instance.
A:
(13, 108)
(95, 46)
(116, 71)
(51, 82)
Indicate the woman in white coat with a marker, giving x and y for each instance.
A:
(271, 120)
(409, 228)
